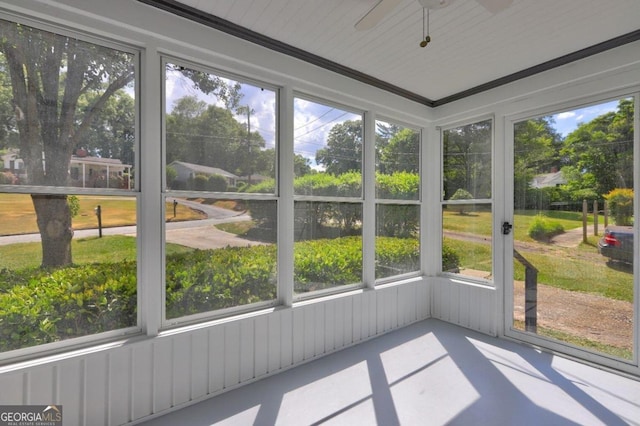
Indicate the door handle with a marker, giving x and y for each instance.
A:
(506, 228)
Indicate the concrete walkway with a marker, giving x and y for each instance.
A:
(573, 237)
(199, 234)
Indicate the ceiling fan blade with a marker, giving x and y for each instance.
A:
(495, 6)
(376, 14)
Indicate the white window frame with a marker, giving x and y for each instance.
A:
(630, 366)
(482, 201)
(168, 323)
(134, 192)
(417, 202)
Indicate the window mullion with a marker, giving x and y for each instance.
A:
(150, 221)
(285, 193)
(369, 207)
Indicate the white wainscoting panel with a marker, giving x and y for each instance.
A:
(468, 305)
(128, 382)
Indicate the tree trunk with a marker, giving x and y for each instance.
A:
(54, 222)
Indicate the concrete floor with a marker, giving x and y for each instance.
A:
(431, 373)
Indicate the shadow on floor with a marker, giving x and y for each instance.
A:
(428, 373)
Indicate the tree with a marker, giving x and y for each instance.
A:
(112, 132)
(211, 136)
(8, 112)
(344, 148)
(467, 159)
(536, 150)
(603, 149)
(62, 93)
(49, 75)
(301, 165)
(384, 133)
(401, 153)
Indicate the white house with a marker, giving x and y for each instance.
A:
(84, 171)
(545, 180)
(11, 162)
(186, 171)
(87, 171)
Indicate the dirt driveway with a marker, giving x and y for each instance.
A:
(591, 316)
(586, 315)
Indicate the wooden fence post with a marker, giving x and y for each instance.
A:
(585, 209)
(595, 217)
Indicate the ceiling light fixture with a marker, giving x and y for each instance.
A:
(425, 38)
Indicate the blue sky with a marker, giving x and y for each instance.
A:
(566, 122)
(313, 121)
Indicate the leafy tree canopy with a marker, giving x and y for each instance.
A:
(603, 149)
(343, 152)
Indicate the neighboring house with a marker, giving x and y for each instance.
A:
(92, 172)
(186, 171)
(84, 171)
(12, 163)
(545, 180)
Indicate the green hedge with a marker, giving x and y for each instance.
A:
(395, 186)
(205, 280)
(40, 306)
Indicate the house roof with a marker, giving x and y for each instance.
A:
(548, 179)
(98, 161)
(197, 168)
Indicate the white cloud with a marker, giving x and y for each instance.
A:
(565, 115)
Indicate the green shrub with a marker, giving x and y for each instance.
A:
(198, 183)
(461, 194)
(543, 228)
(205, 280)
(621, 204)
(450, 259)
(398, 186)
(327, 263)
(397, 220)
(170, 175)
(74, 205)
(39, 306)
(8, 178)
(396, 256)
(216, 183)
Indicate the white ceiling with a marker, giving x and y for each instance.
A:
(469, 47)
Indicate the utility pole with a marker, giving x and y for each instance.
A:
(248, 110)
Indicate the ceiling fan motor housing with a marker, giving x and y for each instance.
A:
(435, 4)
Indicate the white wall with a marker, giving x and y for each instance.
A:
(605, 76)
(125, 381)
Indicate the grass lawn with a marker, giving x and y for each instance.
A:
(237, 228)
(108, 249)
(557, 269)
(472, 255)
(479, 222)
(18, 216)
